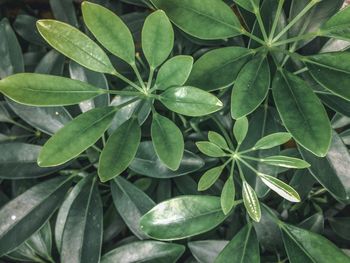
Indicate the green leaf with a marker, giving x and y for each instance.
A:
(210, 149)
(338, 25)
(251, 87)
(302, 113)
(157, 38)
(109, 30)
(332, 171)
(131, 204)
(120, 150)
(145, 251)
(168, 141)
(249, 5)
(272, 140)
(228, 196)
(210, 177)
(243, 248)
(217, 139)
(190, 101)
(218, 68)
(183, 217)
(19, 161)
(27, 213)
(251, 202)
(305, 246)
(74, 44)
(204, 19)
(331, 71)
(174, 72)
(341, 226)
(285, 161)
(206, 251)
(66, 145)
(82, 233)
(240, 129)
(146, 162)
(45, 90)
(10, 51)
(281, 188)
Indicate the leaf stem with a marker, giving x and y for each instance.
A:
(223, 131)
(150, 78)
(261, 23)
(22, 126)
(275, 21)
(257, 39)
(138, 75)
(296, 19)
(295, 39)
(126, 80)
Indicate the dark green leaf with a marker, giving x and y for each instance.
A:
(210, 149)
(341, 226)
(272, 140)
(338, 25)
(210, 177)
(240, 129)
(182, 217)
(217, 139)
(228, 196)
(206, 251)
(120, 150)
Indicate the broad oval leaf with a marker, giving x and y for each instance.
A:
(243, 248)
(19, 161)
(131, 203)
(174, 72)
(251, 202)
(109, 30)
(331, 71)
(168, 141)
(210, 149)
(206, 251)
(82, 233)
(240, 129)
(157, 38)
(281, 188)
(65, 144)
(218, 68)
(74, 44)
(204, 19)
(45, 90)
(217, 139)
(272, 140)
(146, 162)
(302, 113)
(145, 251)
(285, 161)
(251, 87)
(305, 246)
(190, 101)
(338, 25)
(183, 217)
(27, 213)
(120, 150)
(210, 177)
(227, 197)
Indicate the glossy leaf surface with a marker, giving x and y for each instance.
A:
(251, 202)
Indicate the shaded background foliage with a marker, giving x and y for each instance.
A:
(24, 128)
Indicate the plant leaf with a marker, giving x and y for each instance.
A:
(154, 251)
(302, 113)
(65, 144)
(210, 149)
(74, 44)
(131, 203)
(157, 38)
(45, 90)
(120, 150)
(217, 139)
(182, 217)
(210, 177)
(204, 19)
(109, 30)
(285, 161)
(218, 68)
(305, 246)
(331, 71)
(248, 5)
(240, 129)
(168, 141)
(174, 72)
(206, 251)
(27, 213)
(281, 188)
(228, 196)
(338, 25)
(82, 233)
(243, 248)
(251, 202)
(190, 101)
(272, 140)
(251, 87)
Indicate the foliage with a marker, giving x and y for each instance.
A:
(155, 130)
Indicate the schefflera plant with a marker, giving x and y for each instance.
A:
(219, 147)
(86, 129)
